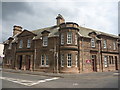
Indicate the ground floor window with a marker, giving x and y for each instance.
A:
(47, 62)
(105, 61)
(69, 60)
(62, 60)
(76, 61)
(44, 60)
(111, 61)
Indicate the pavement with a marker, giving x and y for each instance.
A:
(61, 75)
(27, 79)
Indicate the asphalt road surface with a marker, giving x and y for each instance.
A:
(88, 80)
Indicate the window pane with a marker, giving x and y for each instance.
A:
(42, 59)
(47, 63)
(45, 41)
(62, 39)
(69, 38)
(104, 44)
(105, 61)
(75, 39)
(28, 43)
(21, 44)
(69, 59)
(92, 42)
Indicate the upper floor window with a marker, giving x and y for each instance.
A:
(28, 43)
(92, 42)
(75, 39)
(62, 39)
(114, 45)
(45, 41)
(105, 61)
(10, 46)
(69, 60)
(69, 38)
(21, 44)
(62, 60)
(104, 44)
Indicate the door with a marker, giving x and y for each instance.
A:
(28, 62)
(20, 61)
(116, 65)
(94, 63)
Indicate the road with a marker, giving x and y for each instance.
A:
(87, 80)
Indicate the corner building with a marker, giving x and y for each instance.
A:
(63, 48)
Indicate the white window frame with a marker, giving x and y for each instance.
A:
(92, 42)
(69, 60)
(21, 44)
(47, 61)
(28, 43)
(76, 60)
(62, 39)
(62, 60)
(105, 61)
(104, 44)
(69, 38)
(10, 46)
(45, 41)
(114, 45)
(76, 39)
(42, 60)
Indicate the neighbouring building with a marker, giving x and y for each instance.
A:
(65, 48)
(1, 53)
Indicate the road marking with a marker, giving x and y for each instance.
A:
(27, 82)
(75, 84)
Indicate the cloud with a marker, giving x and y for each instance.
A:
(11, 9)
(34, 15)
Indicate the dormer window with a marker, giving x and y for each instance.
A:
(92, 42)
(21, 44)
(28, 43)
(104, 44)
(10, 46)
(62, 39)
(69, 38)
(114, 45)
(45, 41)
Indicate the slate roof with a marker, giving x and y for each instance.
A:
(54, 32)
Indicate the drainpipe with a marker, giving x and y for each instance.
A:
(82, 52)
(34, 56)
(101, 55)
(78, 53)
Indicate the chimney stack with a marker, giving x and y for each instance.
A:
(60, 19)
(17, 29)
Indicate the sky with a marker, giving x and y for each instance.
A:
(101, 15)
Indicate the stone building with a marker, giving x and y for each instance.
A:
(64, 48)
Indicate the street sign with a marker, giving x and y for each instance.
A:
(88, 61)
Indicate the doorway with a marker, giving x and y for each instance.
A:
(116, 65)
(28, 62)
(94, 63)
(20, 62)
